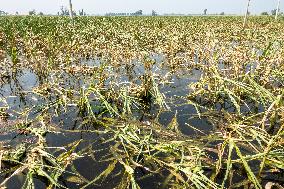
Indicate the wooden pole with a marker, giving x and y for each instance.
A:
(277, 10)
(246, 15)
(70, 10)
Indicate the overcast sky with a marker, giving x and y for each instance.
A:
(160, 6)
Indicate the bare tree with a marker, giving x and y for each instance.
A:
(277, 10)
(32, 12)
(246, 15)
(71, 9)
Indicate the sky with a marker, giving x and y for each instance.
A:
(160, 6)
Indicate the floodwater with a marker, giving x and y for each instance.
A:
(18, 92)
(17, 88)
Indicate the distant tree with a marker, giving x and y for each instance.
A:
(17, 13)
(222, 13)
(154, 13)
(264, 13)
(138, 13)
(205, 11)
(40, 13)
(273, 12)
(65, 12)
(82, 13)
(3, 13)
(32, 12)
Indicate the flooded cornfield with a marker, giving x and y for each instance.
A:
(141, 102)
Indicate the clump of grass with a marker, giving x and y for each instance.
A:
(34, 159)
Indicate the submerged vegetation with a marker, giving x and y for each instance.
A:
(141, 102)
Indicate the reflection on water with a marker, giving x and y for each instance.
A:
(18, 90)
